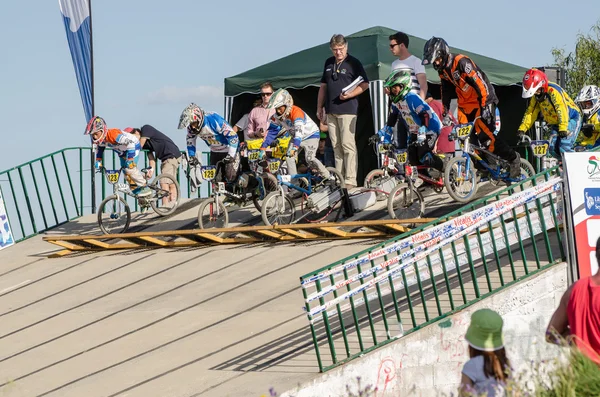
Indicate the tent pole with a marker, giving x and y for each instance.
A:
(92, 156)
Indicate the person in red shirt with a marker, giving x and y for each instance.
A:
(443, 145)
(578, 315)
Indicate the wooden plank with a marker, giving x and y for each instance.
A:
(299, 234)
(155, 241)
(71, 247)
(268, 233)
(101, 244)
(60, 254)
(333, 230)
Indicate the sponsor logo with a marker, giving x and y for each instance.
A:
(592, 201)
(593, 168)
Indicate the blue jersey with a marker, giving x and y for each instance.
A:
(417, 113)
(217, 134)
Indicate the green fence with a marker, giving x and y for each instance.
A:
(56, 188)
(365, 301)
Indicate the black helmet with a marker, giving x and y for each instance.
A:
(436, 47)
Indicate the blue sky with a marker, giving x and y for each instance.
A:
(153, 57)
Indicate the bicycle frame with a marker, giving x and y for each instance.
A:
(396, 160)
(470, 152)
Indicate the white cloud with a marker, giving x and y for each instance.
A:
(200, 94)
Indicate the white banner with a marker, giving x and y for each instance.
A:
(425, 243)
(582, 172)
(6, 237)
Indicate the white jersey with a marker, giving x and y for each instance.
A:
(413, 64)
(299, 123)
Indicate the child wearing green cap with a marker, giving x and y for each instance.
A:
(488, 367)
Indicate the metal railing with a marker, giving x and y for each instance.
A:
(56, 188)
(370, 299)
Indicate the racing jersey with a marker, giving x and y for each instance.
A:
(125, 144)
(217, 134)
(591, 141)
(470, 83)
(557, 109)
(416, 113)
(297, 123)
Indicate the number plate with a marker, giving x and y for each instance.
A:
(382, 148)
(463, 131)
(209, 172)
(401, 156)
(540, 148)
(112, 176)
(123, 187)
(253, 155)
(274, 165)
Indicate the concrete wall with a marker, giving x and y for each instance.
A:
(428, 362)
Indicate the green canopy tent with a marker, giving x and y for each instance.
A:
(301, 73)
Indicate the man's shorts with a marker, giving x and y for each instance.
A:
(170, 166)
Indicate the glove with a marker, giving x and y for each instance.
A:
(486, 114)
(150, 172)
(98, 165)
(520, 134)
(292, 151)
(587, 130)
(374, 139)
(261, 154)
(563, 133)
(228, 159)
(193, 161)
(446, 119)
(275, 143)
(422, 130)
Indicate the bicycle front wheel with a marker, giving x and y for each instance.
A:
(114, 215)
(212, 213)
(167, 194)
(460, 180)
(405, 202)
(277, 209)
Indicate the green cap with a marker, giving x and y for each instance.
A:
(485, 331)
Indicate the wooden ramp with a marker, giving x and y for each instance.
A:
(381, 228)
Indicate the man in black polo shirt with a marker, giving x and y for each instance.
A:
(341, 107)
(162, 147)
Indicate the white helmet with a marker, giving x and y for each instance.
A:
(281, 98)
(589, 100)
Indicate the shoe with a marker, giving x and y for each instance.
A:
(143, 191)
(515, 167)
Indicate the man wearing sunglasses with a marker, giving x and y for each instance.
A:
(258, 119)
(406, 61)
(341, 108)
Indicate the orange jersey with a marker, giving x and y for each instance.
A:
(124, 143)
(470, 83)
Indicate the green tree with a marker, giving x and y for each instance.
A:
(583, 65)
